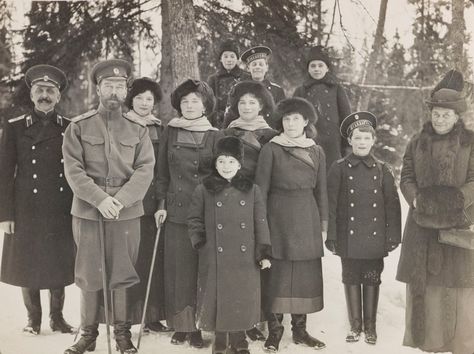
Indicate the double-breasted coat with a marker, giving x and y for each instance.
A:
(364, 207)
(332, 105)
(227, 223)
(35, 195)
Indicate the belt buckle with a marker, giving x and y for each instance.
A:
(108, 181)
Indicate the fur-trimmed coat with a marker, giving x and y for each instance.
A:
(438, 171)
(227, 224)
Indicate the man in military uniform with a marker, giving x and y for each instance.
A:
(109, 162)
(38, 248)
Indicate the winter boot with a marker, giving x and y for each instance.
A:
(56, 304)
(195, 339)
(371, 300)
(31, 298)
(156, 327)
(122, 324)
(178, 338)
(238, 342)
(220, 343)
(354, 311)
(275, 332)
(301, 336)
(89, 323)
(255, 334)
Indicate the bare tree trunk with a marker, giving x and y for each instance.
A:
(319, 13)
(179, 60)
(457, 30)
(374, 55)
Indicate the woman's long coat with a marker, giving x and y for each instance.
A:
(227, 223)
(35, 195)
(332, 105)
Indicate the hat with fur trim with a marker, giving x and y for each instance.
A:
(230, 146)
(254, 88)
(228, 46)
(141, 85)
(294, 105)
(200, 87)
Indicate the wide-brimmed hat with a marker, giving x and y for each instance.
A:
(255, 88)
(448, 98)
(188, 86)
(294, 105)
(141, 85)
(357, 120)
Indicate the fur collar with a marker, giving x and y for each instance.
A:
(214, 183)
(466, 136)
(235, 72)
(329, 79)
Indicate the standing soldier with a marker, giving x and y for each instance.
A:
(109, 163)
(38, 249)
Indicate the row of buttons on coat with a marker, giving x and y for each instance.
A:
(243, 248)
(242, 226)
(242, 202)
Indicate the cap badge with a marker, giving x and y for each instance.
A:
(356, 116)
(116, 71)
(45, 78)
(252, 51)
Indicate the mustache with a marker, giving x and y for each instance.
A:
(44, 100)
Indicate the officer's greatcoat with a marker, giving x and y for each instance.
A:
(35, 195)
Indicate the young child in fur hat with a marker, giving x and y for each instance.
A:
(227, 225)
(364, 222)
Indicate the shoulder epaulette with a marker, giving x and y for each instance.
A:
(341, 160)
(134, 120)
(16, 119)
(66, 118)
(84, 116)
(274, 84)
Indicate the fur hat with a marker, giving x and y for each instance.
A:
(448, 98)
(318, 53)
(188, 86)
(228, 46)
(252, 87)
(141, 85)
(230, 146)
(294, 105)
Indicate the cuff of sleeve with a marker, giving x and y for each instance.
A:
(324, 226)
(198, 240)
(263, 252)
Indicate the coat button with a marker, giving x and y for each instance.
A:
(61, 174)
(242, 225)
(33, 147)
(243, 248)
(351, 232)
(352, 218)
(180, 189)
(351, 178)
(375, 177)
(178, 147)
(374, 205)
(375, 219)
(33, 161)
(35, 191)
(327, 118)
(220, 227)
(62, 160)
(179, 176)
(242, 202)
(35, 176)
(220, 249)
(375, 191)
(329, 105)
(352, 191)
(352, 205)
(61, 189)
(375, 233)
(219, 204)
(326, 91)
(180, 204)
(195, 176)
(195, 162)
(350, 166)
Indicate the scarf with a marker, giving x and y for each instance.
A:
(200, 124)
(148, 120)
(285, 140)
(257, 123)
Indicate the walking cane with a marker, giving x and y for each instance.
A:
(148, 286)
(105, 288)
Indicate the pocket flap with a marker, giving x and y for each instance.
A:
(130, 141)
(93, 140)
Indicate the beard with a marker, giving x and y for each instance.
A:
(112, 103)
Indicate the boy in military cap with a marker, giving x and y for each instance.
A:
(364, 222)
(109, 160)
(256, 59)
(226, 76)
(38, 249)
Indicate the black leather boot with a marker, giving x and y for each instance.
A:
(122, 324)
(89, 323)
(275, 332)
(178, 338)
(195, 339)
(31, 298)
(56, 304)
(156, 327)
(371, 300)
(354, 311)
(255, 334)
(238, 343)
(301, 336)
(220, 343)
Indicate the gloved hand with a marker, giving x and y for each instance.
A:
(265, 263)
(331, 245)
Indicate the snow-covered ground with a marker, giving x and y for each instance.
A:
(329, 325)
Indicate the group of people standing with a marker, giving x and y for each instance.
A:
(247, 192)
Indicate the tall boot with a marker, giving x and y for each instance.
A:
(354, 311)
(275, 332)
(89, 323)
(371, 300)
(238, 342)
(32, 300)
(221, 342)
(122, 322)
(56, 304)
(300, 335)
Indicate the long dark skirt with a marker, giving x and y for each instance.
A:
(295, 286)
(181, 269)
(156, 300)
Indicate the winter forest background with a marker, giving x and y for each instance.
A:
(170, 40)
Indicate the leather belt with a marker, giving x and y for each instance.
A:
(110, 181)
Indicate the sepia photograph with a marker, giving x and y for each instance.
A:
(236, 176)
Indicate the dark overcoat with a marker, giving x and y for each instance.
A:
(253, 142)
(275, 89)
(35, 195)
(293, 184)
(364, 207)
(332, 105)
(227, 223)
